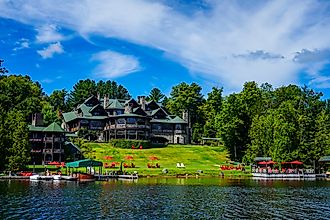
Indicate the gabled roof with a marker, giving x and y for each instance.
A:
(169, 120)
(153, 112)
(89, 98)
(85, 110)
(54, 127)
(69, 116)
(139, 111)
(35, 128)
(132, 101)
(115, 104)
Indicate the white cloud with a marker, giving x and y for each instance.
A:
(48, 34)
(112, 64)
(52, 49)
(207, 42)
(22, 44)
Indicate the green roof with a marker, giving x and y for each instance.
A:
(324, 159)
(69, 116)
(129, 115)
(115, 104)
(35, 128)
(85, 110)
(97, 117)
(176, 120)
(54, 127)
(84, 163)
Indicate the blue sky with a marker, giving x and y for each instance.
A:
(144, 44)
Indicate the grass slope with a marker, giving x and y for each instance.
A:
(194, 157)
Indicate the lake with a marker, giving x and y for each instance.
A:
(166, 198)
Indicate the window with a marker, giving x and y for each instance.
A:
(120, 121)
(178, 127)
(131, 120)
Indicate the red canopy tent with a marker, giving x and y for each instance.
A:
(296, 162)
(153, 158)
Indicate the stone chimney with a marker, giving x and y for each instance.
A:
(105, 101)
(37, 119)
(142, 102)
(185, 116)
(128, 108)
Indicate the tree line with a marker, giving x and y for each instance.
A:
(285, 123)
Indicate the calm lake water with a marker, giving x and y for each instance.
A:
(157, 198)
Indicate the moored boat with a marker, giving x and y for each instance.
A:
(35, 177)
(296, 176)
(57, 177)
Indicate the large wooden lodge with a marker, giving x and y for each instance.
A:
(127, 119)
(107, 119)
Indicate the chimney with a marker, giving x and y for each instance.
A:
(37, 119)
(105, 101)
(98, 96)
(128, 108)
(142, 102)
(185, 115)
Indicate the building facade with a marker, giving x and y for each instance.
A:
(47, 142)
(127, 119)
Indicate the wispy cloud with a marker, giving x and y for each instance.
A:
(266, 35)
(22, 44)
(48, 34)
(112, 64)
(52, 49)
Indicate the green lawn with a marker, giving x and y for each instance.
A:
(194, 158)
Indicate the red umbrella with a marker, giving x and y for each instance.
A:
(108, 157)
(153, 158)
(296, 162)
(129, 157)
(262, 163)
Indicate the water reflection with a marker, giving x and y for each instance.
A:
(165, 198)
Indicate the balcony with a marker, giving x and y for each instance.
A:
(47, 151)
(58, 151)
(36, 139)
(56, 139)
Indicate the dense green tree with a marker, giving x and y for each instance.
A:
(211, 108)
(185, 97)
(155, 95)
(81, 91)
(50, 114)
(20, 93)
(236, 117)
(85, 88)
(18, 152)
(58, 100)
